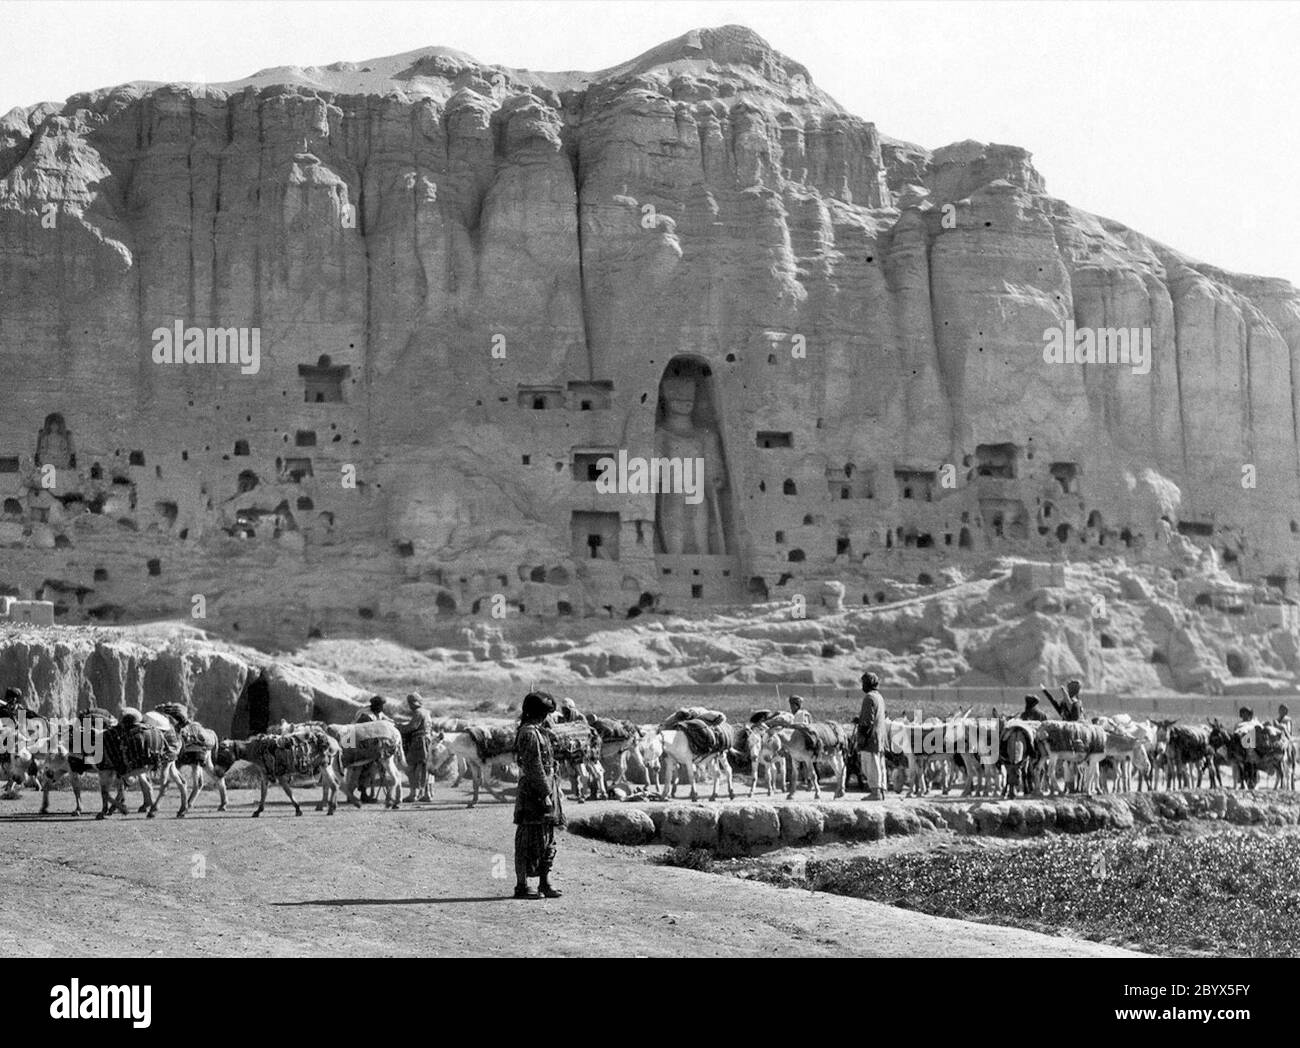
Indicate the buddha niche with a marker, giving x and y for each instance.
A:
(54, 444)
(685, 433)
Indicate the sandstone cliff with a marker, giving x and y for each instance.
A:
(468, 279)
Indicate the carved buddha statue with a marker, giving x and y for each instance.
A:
(695, 525)
(54, 444)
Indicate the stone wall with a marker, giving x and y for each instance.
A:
(748, 827)
(28, 612)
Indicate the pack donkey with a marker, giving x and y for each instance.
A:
(805, 745)
(305, 753)
(135, 746)
(481, 749)
(370, 744)
(198, 749)
(695, 744)
(71, 763)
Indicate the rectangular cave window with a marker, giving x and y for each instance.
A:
(697, 591)
(585, 467)
(590, 396)
(848, 483)
(296, 469)
(1065, 474)
(305, 438)
(1005, 518)
(996, 460)
(1195, 528)
(773, 439)
(8, 465)
(136, 458)
(541, 398)
(323, 381)
(915, 484)
(594, 535)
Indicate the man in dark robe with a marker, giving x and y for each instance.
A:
(538, 806)
(872, 738)
(1071, 706)
(1031, 711)
(375, 712)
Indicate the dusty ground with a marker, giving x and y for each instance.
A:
(430, 880)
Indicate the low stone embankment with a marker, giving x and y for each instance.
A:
(748, 827)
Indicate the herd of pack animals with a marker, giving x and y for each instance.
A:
(166, 745)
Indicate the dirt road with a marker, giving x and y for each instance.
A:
(431, 880)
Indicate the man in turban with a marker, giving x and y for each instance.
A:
(1071, 706)
(538, 806)
(872, 738)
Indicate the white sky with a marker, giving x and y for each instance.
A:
(1181, 119)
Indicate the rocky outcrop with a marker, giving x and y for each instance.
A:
(466, 278)
(62, 671)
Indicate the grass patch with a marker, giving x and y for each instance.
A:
(1232, 893)
(699, 859)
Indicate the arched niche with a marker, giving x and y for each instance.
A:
(688, 426)
(54, 445)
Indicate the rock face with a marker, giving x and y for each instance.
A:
(62, 671)
(465, 284)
